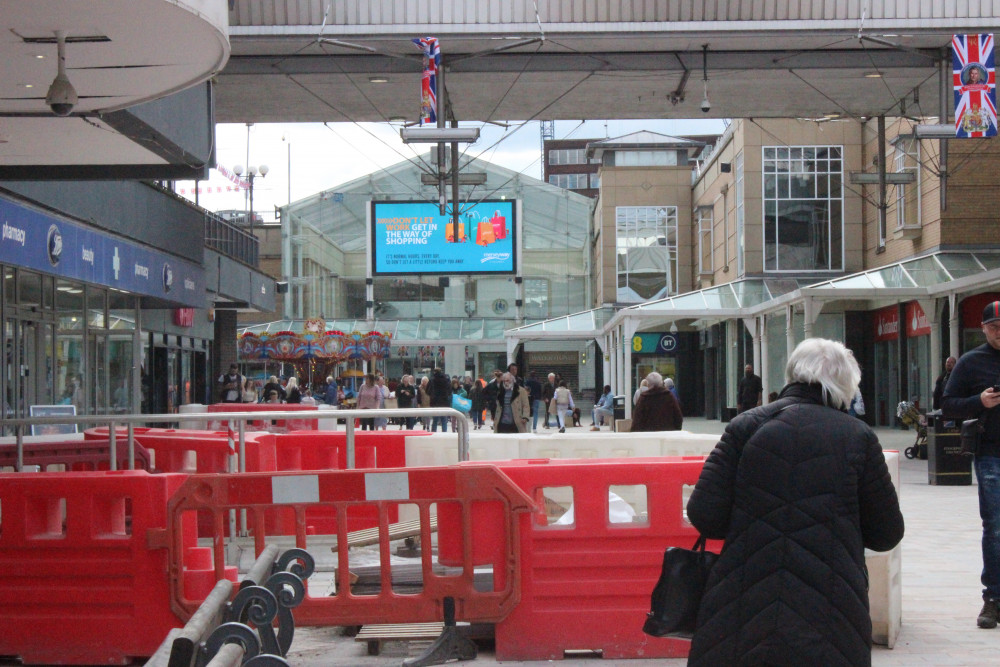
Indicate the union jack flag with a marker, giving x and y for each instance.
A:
(428, 82)
(974, 83)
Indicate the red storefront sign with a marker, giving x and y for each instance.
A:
(916, 321)
(184, 317)
(972, 309)
(886, 321)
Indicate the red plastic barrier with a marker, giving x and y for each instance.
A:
(191, 450)
(324, 450)
(344, 491)
(586, 586)
(84, 565)
(327, 450)
(266, 424)
(75, 455)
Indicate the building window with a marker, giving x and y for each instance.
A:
(803, 208)
(560, 156)
(646, 242)
(645, 158)
(907, 160)
(706, 239)
(595, 181)
(570, 181)
(536, 298)
(740, 218)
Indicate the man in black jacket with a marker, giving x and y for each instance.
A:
(491, 391)
(439, 389)
(968, 394)
(749, 389)
(942, 382)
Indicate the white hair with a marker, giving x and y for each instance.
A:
(654, 379)
(828, 364)
(292, 383)
(668, 383)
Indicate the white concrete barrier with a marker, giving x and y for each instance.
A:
(885, 585)
(328, 423)
(201, 425)
(442, 448)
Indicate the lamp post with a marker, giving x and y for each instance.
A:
(252, 173)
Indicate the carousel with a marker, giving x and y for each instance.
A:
(316, 353)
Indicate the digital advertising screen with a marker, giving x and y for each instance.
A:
(414, 238)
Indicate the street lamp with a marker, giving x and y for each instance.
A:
(252, 172)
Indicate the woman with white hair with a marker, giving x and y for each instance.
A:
(797, 489)
(657, 409)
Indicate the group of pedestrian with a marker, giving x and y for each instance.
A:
(237, 388)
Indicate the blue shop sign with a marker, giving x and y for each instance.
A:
(654, 343)
(35, 240)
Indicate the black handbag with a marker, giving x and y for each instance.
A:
(677, 595)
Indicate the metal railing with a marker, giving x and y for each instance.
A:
(239, 419)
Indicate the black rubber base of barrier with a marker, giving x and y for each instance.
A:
(451, 645)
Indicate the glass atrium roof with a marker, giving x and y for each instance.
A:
(404, 331)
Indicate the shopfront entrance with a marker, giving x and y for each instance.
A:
(886, 326)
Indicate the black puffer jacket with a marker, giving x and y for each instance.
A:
(797, 490)
(440, 390)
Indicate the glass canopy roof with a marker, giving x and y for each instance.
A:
(929, 275)
(592, 321)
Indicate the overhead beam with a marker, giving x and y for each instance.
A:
(607, 61)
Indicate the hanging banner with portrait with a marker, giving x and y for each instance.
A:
(974, 82)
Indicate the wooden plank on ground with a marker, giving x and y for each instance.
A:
(374, 635)
(397, 531)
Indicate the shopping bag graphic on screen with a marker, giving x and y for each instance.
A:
(484, 233)
(449, 232)
(499, 226)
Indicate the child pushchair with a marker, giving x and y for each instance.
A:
(910, 416)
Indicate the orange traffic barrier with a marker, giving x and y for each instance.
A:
(381, 491)
(592, 554)
(82, 577)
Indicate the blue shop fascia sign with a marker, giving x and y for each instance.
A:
(35, 240)
(654, 343)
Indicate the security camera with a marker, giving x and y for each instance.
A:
(62, 96)
(706, 106)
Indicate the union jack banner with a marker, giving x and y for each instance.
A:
(428, 82)
(974, 82)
